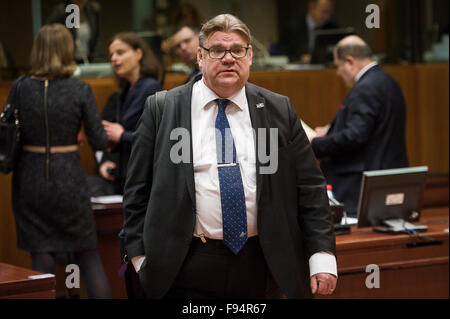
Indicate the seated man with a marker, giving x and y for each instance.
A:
(368, 132)
(298, 41)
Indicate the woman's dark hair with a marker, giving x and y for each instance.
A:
(149, 63)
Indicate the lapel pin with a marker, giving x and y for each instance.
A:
(259, 105)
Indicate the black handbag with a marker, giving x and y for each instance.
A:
(10, 133)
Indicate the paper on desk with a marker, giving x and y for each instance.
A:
(41, 276)
(349, 221)
(110, 199)
(308, 130)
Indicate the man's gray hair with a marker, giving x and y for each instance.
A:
(224, 23)
(357, 51)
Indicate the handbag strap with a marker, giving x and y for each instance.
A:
(16, 93)
(159, 101)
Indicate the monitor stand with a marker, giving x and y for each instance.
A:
(399, 226)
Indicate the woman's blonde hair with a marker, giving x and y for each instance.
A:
(52, 53)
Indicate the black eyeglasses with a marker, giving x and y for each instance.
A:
(219, 52)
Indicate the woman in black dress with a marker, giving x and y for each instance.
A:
(50, 196)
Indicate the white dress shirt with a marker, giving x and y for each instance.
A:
(364, 70)
(207, 190)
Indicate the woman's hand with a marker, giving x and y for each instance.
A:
(80, 138)
(104, 170)
(113, 130)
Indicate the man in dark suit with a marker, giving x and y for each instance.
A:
(206, 214)
(368, 132)
(298, 41)
(184, 42)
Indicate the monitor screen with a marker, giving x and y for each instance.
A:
(326, 40)
(391, 194)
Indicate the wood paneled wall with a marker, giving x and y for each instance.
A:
(315, 96)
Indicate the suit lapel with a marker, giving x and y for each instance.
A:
(183, 119)
(258, 117)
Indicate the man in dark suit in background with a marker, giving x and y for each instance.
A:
(298, 41)
(184, 42)
(368, 132)
(199, 226)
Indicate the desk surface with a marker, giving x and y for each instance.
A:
(15, 282)
(409, 266)
(435, 218)
(420, 265)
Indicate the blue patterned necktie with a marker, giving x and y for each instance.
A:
(234, 213)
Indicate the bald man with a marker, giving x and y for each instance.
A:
(299, 40)
(368, 132)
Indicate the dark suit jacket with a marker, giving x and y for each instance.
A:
(195, 72)
(159, 199)
(128, 111)
(368, 133)
(294, 40)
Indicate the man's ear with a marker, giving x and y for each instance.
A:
(250, 53)
(351, 60)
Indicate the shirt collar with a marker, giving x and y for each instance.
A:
(207, 95)
(364, 70)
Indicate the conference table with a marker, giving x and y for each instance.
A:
(21, 283)
(370, 265)
(410, 266)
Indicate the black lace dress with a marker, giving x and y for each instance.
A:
(53, 214)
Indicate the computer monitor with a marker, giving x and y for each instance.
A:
(326, 40)
(391, 194)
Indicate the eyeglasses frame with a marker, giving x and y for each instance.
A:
(227, 51)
